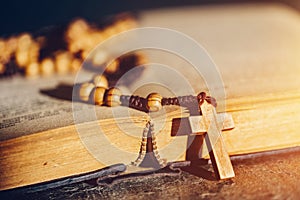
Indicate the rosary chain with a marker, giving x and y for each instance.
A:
(149, 132)
(140, 103)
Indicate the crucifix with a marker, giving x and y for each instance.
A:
(211, 125)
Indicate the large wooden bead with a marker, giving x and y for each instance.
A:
(100, 81)
(113, 97)
(85, 91)
(97, 95)
(154, 102)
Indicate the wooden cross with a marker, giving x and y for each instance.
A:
(212, 123)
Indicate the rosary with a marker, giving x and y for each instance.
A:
(97, 92)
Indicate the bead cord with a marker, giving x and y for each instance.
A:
(181, 100)
(139, 103)
(135, 102)
(88, 92)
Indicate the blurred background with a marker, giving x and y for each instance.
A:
(54, 37)
(30, 15)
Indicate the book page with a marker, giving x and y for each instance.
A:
(29, 106)
(33, 105)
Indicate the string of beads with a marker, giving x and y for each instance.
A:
(96, 92)
(61, 50)
(148, 132)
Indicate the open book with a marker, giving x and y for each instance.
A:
(256, 49)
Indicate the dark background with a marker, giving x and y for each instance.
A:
(31, 15)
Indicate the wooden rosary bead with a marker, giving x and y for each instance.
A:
(24, 41)
(113, 97)
(22, 58)
(84, 54)
(47, 67)
(112, 67)
(85, 91)
(100, 81)
(99, 57)
(32, 69)
(97, 95)
(34, 52)
(75, 65)
(141, 59)
(63, 62)
(154, 102)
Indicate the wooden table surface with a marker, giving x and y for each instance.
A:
(274, 176)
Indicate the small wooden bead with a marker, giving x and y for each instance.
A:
(99, 58)
(113, 97)
(47, 67)
(85, 91)
(34, 52)
(32, 69)
(75, 65)
(24, 41)
(97, 95)
(141, 59)
(84, 54)
(63, 62)
(113, 66)
(109, 31)
(100, 81)
(154, 102)
(22, 57)
(155, 151)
